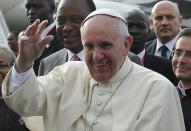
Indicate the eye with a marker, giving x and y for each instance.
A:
(88, 46)
(170, 17)
(106, 45)
(188, 54)
(158, 18)
(177, 53)
(77, 19)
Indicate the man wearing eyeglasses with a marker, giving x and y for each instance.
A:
(181, 64)
(9, 120)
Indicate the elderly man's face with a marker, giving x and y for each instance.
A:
(105, 48)
(181, 61)
(4, 65)
(68, 21)
(166, 22)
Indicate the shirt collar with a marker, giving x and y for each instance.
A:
(47, 29)
(80, 55)
(170, 44)
(182, 89)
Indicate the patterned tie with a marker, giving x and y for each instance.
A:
(164, 50)
(75, 58)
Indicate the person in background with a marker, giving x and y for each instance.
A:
(70, 15)
(43, 10)
(166, 22)
(138, 25)
(9, 120)
(95, 94)
(181, 64)
(12, 41)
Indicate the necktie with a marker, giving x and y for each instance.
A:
(75, 58)
(164, 50)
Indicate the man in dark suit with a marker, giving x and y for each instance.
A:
(72, 14)
(166, 22)
(43, 10)
(138, 24)
(181, 63)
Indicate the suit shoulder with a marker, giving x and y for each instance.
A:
(55, 55)
(161, 59)
(149, 43)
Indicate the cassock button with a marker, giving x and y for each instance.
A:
(99, 103)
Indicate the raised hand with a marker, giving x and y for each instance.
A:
(31, 45)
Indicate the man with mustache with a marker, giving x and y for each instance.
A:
(138, 25)
(166, 22)
(69, 17)
(181, 64)
(106, 92)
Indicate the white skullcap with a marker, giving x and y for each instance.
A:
(108, 12)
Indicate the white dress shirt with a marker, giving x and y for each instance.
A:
(170, 45)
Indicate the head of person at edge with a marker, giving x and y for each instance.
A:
(165, 20)
(40, 9)
(105, 48)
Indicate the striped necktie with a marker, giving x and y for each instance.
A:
(75, 58)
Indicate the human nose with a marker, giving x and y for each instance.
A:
(182, 58)
(97, 54)
(68, 26)
(164, 21)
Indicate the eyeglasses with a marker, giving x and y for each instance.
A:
(178, 53)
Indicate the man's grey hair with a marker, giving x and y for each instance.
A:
(121, 23)
(9, 53)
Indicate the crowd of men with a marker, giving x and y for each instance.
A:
(95, 70)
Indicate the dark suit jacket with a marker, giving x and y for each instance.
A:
(161, 65)
(9, 120)
(53, 47)
(47, 64)
(186, 109)
(60, 57)
(150, 46)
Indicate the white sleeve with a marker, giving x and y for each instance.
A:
(18, 79)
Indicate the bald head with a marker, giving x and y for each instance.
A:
(165, 20)
(165, 5)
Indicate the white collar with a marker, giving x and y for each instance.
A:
(182, 89)
(170, 44)
(80, 55)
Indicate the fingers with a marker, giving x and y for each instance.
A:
(31, 29)
(46, 40)
(36, 28)
(41, 27)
